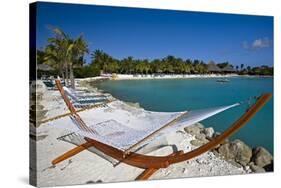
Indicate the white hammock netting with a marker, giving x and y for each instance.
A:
(121, 126)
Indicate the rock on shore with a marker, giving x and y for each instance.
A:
(262, 158)
(236, 152)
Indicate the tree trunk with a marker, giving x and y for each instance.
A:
(61, 71)
(66, 74)
(63, 76)
(72, 77)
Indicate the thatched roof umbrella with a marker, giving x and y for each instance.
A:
(212, 67)
(159, 71)
(228, 68)
(44, 70)
(44, 67)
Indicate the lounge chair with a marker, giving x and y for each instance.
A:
(86, 105)
(118, 141)
(83, 100)
(49, 84)
(83, 94)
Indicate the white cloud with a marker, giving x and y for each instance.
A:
(257, 44)
(260, 43)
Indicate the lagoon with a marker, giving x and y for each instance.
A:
(187, 94)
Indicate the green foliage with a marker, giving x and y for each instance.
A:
(40, 55)
(86, 71)
(167, 65)
(262, 70)
(129, 65)
(222, 65)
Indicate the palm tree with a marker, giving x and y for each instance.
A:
(63, 52)
(249, 69)
(57, 52)
(54, 55)
(139, 68)
(96, 57)
(113, 66)
(77, 49)
(102, 60)
(241, 66)
(127, 65)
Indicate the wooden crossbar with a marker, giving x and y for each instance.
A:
(79, 110)
(72, 152)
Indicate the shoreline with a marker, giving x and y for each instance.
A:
(118, 77)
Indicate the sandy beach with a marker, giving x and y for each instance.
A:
(164, 76)
(87, 167)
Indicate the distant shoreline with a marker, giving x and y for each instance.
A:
(167, 76)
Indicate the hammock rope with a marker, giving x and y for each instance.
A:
(249, 102)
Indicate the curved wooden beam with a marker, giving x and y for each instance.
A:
(242, 121)
(65, 98)
(145, 161)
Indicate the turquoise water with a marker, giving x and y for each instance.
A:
(185, 94)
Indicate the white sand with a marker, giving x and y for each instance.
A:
(87, 167)
(166, 76)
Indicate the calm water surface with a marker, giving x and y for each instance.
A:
(184, 94)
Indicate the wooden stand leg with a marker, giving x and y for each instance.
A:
(146, 174)
(72, 152)
(149, 171)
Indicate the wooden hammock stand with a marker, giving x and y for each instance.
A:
(151, 164)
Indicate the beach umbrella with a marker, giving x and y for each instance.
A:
(44, 67)
(212, 67)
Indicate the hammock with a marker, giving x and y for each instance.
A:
(123, 127)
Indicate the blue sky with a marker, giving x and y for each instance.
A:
(150, 33)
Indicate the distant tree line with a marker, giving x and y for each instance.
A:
(168, 65)
(102, 62)
(263, 70)
(66, 57)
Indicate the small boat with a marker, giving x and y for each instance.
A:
(222, 80)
